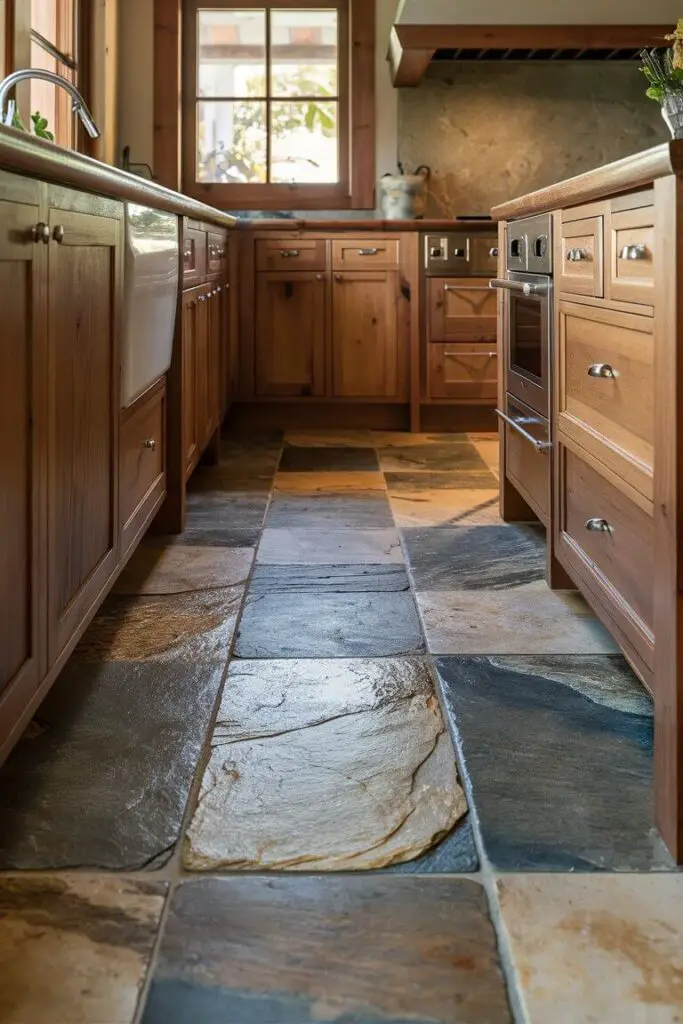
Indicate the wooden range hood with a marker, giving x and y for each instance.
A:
(413, 47)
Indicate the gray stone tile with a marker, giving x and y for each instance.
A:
(329, 625)
(559, 756)
(362, 509)
(326, 460)
(329, 547)
(212, 537)
(462, 457)
(237, 510)
(333, 579)
(477, 557)
(325, 766)
(158, 569)
(102, 779)
(528, 619)
(361, 950)
(75, 949)
(454, 855)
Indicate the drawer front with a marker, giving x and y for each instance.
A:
(290, 254)
(527, 468)
(194, 256)
(463, 371)
(631, 255)
(217, 252)
(142, 454)
(484, 255)
(609, 534)
(606, 388)
(579, 263)
(365, 254)
(461, 309)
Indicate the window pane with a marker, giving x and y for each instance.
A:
(231, 142)
(231, 59)
(305, 53)
(304, 143)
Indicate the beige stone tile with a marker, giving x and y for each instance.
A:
(75, 949)
(325, 765)
(402, 439)
(329, 547)
(490, 453)
(330, 439)
(597, 948)
(530, 619)
(317, 483)
(445, 508)
(182, 568)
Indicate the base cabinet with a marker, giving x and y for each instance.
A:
(290, 327)
(367, 352)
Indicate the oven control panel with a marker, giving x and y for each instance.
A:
(529, 246)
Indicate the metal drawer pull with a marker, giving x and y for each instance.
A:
(634, 252)
(150, 443)
(58, 233)
(577, 255)
(481, 355)
(286, 253)
(603, 370)
(466, 288)
(369, 252)
(520, 286)
(494, 252)
(540, 446)
(460, 254)
(598, 526)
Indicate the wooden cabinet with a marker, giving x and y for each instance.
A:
(630, 260)
(461, 309)
(579, 256)
(84, 298)
(205, 369)
(201, 360)
(466, 372)
(141, 462)
(290, 326)
(367, 355)
(291, 255)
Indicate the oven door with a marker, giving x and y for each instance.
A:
(528, 302)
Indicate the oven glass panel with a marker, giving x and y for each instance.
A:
(526, 336)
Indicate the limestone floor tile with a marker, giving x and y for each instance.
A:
(328, 579)
(404, 439)
(558, 751)
(438, 456)
(600, 949)
(338, 624)
(529, 619)
(436, 508)
(476, 557)
(329, 439)
(102, 778)
(157, 569)
(490, 453)
(341, 511)
(361, 950)
(321, 482)
(75, 949)
(203, 535)
(325, 766)
(329, 547)
(191, 626)
(327, 460)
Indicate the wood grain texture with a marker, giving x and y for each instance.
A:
(167, 92)
(363, 112)
(142, 460)
(466, 372)
(291, 325)
(461, 309)
(368, 359)
(586, 276)
(630, 280)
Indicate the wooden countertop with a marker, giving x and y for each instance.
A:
(37, 158)
(621, 176)
(361, 224)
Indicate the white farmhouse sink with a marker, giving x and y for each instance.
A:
(151, 274)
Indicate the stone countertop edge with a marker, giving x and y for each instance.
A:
(624, 175)
(24, 154)
(361, 224)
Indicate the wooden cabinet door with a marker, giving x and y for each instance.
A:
(367, 348)
(191, 316)
(206, 370)
(22, 437)
(290, 334)
(461, 309)
(226, 342)
(83, 304)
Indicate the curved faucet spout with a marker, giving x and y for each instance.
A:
(79, 105)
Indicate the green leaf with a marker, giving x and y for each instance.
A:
(655, 92)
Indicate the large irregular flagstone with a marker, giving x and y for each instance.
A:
(157, 569)
(325, 765)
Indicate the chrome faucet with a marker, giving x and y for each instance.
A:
(79, 106)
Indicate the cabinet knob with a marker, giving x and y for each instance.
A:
(320, 277)
(150, 443)
(58, 233)
(187, 255)
(201, 298)
(339, 277)
(598, 526)
(218, 289)
(40, 233)
(494, 251)
(290, 253)
(603, 370)
(577, 255)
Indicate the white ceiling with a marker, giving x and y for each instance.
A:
(538, 12)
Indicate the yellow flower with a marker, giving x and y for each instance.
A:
(677, 39)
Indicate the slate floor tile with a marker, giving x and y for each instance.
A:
(102, 778)
(329, 625)
(342, 482)
(490, 453)
(327, 460)
(205, 535)
(559, 756)
(191, 626)
(158, 569)
(404, 439)
(441, 456)
(75, 949)
(454, 855)
(295, 546)
(411, 482)
(362, 509)
(330, 439)
(322, 765)
(238, 510)
(605, 948)
(394, 950)
(333, 579)
(438, 508)
(528, 619)
(476, 557)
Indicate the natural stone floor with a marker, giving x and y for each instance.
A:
(336, 754)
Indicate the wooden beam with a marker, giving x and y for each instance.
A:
(167, 92)
(407, 65)
(362, 68)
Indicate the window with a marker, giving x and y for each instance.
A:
(268, 104)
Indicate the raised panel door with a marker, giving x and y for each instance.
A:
(190, 315)
(290, 334)
(367, 347)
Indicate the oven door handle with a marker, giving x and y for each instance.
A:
(540, 446)
(525, 287)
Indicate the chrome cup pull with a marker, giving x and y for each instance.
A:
(603, 370)
(289, 253)
(368, 252)
(150, 443)
(598, 526)
(634, 252)
(577, 255)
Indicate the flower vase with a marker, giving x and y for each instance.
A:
(672, 112)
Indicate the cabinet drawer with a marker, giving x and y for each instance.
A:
(606, 388)
(290, 254)
(631, 254)
(216, 252)
(527, 467)
(141, 462)
(608, 536)
(365, 254)
(463, 371)
(194, 256)
(579, 264)
(461, 309)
